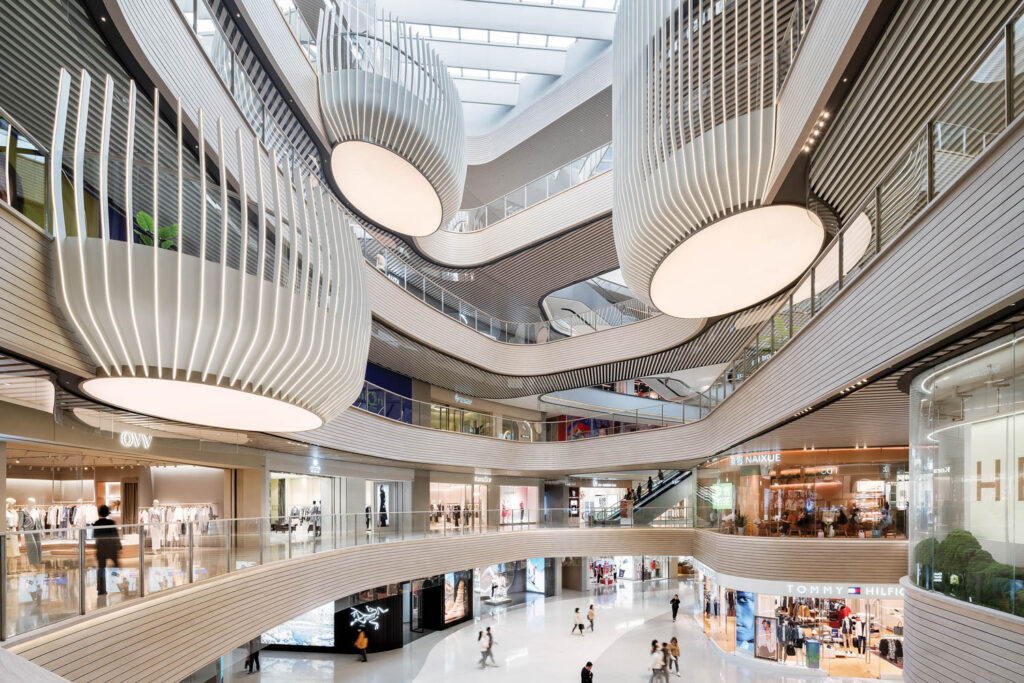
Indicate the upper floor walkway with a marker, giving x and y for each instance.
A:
(227, 582)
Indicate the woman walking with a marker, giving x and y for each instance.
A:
(485, 646)
(362, 642)
(590, 618)
(673, 651)
(577, 622)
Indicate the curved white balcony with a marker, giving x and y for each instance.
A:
(159, 637)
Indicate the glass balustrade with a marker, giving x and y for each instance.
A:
(24, 172)
(400, 272)
(574, 173)
(51, 575)
(300, 29)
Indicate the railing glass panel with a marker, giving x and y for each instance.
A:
(577, 171)
(49, 576)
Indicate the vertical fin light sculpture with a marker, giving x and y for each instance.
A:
(243, 311)
(394, 115)
(695, 85)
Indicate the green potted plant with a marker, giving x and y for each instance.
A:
(741, 523)
(144, 229)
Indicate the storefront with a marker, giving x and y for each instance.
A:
(595, 498)
(607, 571)
(843, 630)
(302, 502)
(967, 440)
(454, 506)
(519, 505)
(513, 583)
(827, 492)
(455, 412)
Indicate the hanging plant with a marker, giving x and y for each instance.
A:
(166, 235)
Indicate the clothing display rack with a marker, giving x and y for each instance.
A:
(168, 524)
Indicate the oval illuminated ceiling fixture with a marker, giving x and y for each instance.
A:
(239, 310)
(394, 116)
(694, 128)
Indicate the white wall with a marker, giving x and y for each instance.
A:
(189, 484)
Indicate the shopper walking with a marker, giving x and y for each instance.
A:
(590, 618)
(587, 673)
(253, 659)
(657, 663)
(108, 547)
(362, 642)
(577, 622)
(650, 485)
(491, 642)
(485, 646)
(675, 606)
(673, 650)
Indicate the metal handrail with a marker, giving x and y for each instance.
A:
(463, 215)
(216, 547)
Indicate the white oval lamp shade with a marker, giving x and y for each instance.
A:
(391, 109)
(695, 134)
(737, 261)
(386, 188)
(201, 404)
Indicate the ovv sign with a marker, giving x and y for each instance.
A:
(136, 440)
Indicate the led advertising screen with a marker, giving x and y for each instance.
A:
(313, 629)
(456, 596)
(535, 575)
(746, 603)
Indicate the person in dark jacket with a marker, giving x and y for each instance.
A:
(108, 546)
(675, 606)
(650, 485)
(587, 673)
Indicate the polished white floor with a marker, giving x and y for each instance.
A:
(534, 645)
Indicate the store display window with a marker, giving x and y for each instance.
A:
(855, 637)
(598, 498)
(457, 505)
(299, 503)
(609, 570)
(857, 492)
(967, 463)
(452, 419)
(313, 629)
(519, 505)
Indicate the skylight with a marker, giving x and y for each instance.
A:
(485, 36)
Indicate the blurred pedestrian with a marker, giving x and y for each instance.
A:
(362, 642)
(577, 622)
(675, 605)
(590, 618)
(587, 673)
(108, 546)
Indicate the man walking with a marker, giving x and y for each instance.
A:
(587, 673)
(108, 547)
(490, 648)
(675, 606)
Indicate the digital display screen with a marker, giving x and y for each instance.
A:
(313, 629)
(721, 495)
(535, 575)
(456, 596)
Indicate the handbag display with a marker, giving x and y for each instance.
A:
(898, 629)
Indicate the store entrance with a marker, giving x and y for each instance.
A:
(457, 506)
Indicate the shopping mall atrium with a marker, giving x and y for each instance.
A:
(464, 340)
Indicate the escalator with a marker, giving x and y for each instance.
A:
(652, 504)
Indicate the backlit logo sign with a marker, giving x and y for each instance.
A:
(482, 479)
(463, 400)
(369, 617)
(136, 440)
(758, 459)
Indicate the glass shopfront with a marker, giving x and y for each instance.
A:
(457, 505)
(845, 631)
(300, 501)
(967, 462)
(607, 571)
(519, 505)
(855, 492)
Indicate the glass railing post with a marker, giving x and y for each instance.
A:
(1011, 74)
(142, 561)
(930, 158)
(288, 520)
(191, 555)
(3, 587)
(227, 544)
(259, 540)
(81, 571)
